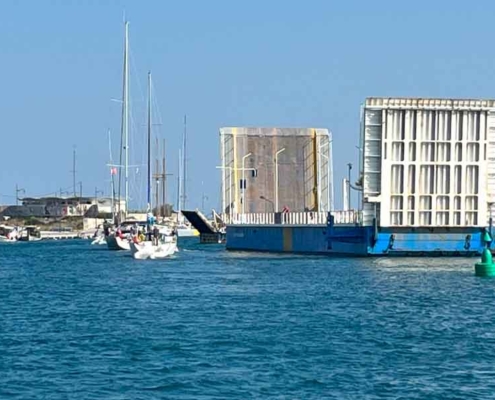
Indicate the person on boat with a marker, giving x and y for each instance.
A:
(150, 218)
(156, 233)
(119, 233)
(141, 237)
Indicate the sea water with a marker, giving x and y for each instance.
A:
(82, 322)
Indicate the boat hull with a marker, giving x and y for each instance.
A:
(356, 241)
(29, 239)
(4, 239)
(145, 250)
(116, 243)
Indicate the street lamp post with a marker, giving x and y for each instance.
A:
(269, 201)
(276, 177)
(244, 184)
(230, 169)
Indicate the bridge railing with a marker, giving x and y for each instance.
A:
(352, 217)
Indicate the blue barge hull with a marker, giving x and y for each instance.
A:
(359, 241)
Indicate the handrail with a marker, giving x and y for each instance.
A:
(351, 217)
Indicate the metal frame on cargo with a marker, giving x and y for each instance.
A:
(428, 162)
(261, 165)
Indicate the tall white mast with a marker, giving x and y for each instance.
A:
(149, 145)
(179, 186)
(112, 190)
(184, 170)
(126, 114)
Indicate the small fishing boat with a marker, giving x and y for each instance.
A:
(30, 234)
(9, 234)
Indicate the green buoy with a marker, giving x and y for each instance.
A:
(486, 267)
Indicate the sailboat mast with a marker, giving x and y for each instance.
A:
(112, 190)
(126, 114)
(184, 170)
(179, 186)
(164, 182)
(149, 140)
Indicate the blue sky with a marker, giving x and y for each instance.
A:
(223, 63)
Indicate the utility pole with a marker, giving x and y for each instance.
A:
(17, 191)
(74, 170)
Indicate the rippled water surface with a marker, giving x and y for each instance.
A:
(81, 322)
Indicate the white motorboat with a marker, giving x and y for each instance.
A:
(30, 234)
(9, 234)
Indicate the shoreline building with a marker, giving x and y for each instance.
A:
(60, 207)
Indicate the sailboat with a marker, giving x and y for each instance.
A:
(161, 241)
(183, 229)
(119, 240)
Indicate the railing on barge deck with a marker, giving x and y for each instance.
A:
(351, 217)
